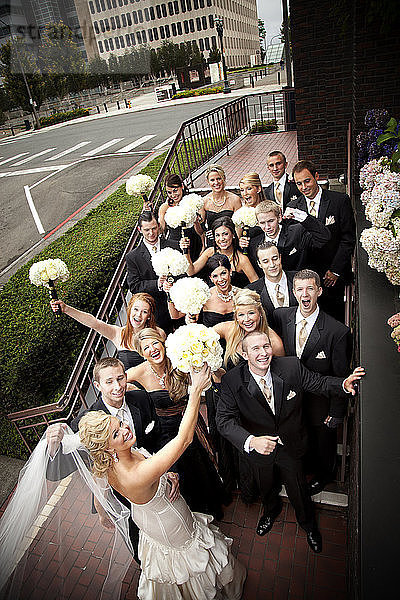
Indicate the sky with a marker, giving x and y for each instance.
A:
(270, 11)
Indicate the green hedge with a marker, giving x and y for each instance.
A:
(39, 350)
(202, 92)
(61, 117)
(264, 126)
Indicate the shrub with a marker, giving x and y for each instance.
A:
(264, 126)
(202, 92)
(61, 117)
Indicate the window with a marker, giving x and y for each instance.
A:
(186, 26)
(133, 39)
(201, 45)
(109, 4)
(146, 14)
(155, 33)
(111, 44)
(198, 23)
(183, 5)
(123, 17)
(207, 43)
(122, 41)
(188, 5)
(114, 4)
(135, 19)
(112, 23)
(164, 10)
(107, 24)
(158, 11)
(101, 46)
(201, 3)
(98, 5)
(106, 46)
(144, 37)
(116, 43)
(211, 21)
(162, 32)
(128, 39)
(103, 5)
(170, 8)
(139, 37)
(179, 27)
(91, 6)
(150, 34)
(195, 4)
(176, 7)
(129, 19)
(140, 16)
(167, 31)
(191, 25)
(204, 22)
(152, 15)
(214, 41)
(120, 2)
(173, 26)
(118, 21)
(102, 26)
(209, 2)
(96, 27)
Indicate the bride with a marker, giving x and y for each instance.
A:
(183, 556)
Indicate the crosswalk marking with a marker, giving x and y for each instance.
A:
(136, 143)
(30, 171)
(103, 147)
(3, 162)
(68, 151)
(25, 160)
(165, 142)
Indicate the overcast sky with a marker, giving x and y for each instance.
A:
(270, 11)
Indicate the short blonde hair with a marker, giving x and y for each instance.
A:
(218, 169)
(94, 433)
(268, 206)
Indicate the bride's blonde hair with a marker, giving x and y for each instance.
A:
(94, 433)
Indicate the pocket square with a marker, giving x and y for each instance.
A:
(149, 427)
(291, 395)
(330, 220)
(293, 250)
(321, 354)
(293, 198)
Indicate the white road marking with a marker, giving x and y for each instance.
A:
(165, 142)
(25, 160)
(30, 171)
(138, 142)
(68, 151)
(3, 162)
(103, 147)
(34, 212)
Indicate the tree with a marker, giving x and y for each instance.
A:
(215, 55)
(97, 72)
(262, 32)
(61, 61)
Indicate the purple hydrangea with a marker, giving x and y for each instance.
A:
(374, 133)
(376, 117)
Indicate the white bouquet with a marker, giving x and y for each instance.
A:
(169, 262)
(245, 217)
(182, 214)
(193, 345)
(194, 201)
(46, 272)
(189, 295)
(139, 185)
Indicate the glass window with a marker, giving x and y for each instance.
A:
(150, 34)
(103, 5)
(146, 14)
(189, 5)
(162, 32)
(96, 27)
(102, 26)
(107, 24)
(179, 27)
(164, 10)
(126, 2)
(91, 6)
(123, 17)
(201, 3)
(158, 11)
(109, 4)
(98, 5)
(112, 23)
(214, 41)
(118, 21)
(167, 31)
(122, 41)
(111, 44)
(204, 22)
(135, 19)
(116, 43)
(106, 46)
(140, 16)
(195, 4)
(176, 7)
(133, 39)
(139, 37)
(155, 33)
(114, 3)
(186, 26)
(128, 39)
(211, 21)
(191, 25)
(183, 5)
(198, 23)
(201, 45)
(207, 43)
(209, 2)
(129, 19)
(144, 37)
(170, 8)
(152, 15)
(120, 2)
(173, 27)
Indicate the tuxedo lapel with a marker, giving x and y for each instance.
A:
(313, 338)
(323, 207)
(277, 384)
(302, 204)
(257, 395)
(291, 329)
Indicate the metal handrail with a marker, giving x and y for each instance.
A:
(198, 141)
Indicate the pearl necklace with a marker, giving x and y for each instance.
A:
(218, 203)
(161, 380)
(225, 297)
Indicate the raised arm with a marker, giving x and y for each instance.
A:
(200, 262)
(161, 215)
(111, 332)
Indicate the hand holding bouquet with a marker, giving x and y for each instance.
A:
(189, 295)
(169, 263)
(46, 273)
(245, 218)
(140, 185)
(190, 346)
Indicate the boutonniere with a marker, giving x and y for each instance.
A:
(291, 395)
(293, 250)
(321, 354)
(330, 220)
(149, 427)
(293, 198)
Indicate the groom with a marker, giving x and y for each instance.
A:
(260, 412)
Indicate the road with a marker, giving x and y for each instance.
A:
(66, 167)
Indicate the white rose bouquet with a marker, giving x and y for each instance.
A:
(194, 201)
(245, 217)
(189, 295)
(140, 185)
(182, 214)
(193, 345)
(169, 262)
(46, 273)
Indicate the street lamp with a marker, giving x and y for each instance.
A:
(219, 24)
(31, 100)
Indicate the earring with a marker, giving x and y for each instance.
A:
(115, 457)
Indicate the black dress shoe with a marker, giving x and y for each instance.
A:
(265, 524)
(314, 540)
(316, 486)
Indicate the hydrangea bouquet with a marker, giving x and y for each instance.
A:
(183, 215)
(169, 263)
(47, 272)
(245, 218)
(189, 295)
(140, 185)
(190, 346)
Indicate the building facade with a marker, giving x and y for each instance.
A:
(118, 25)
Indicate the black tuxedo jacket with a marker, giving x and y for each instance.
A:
(260, 287)
(295, 243)
(327, 351)
(290, 191)
(242, 409)
(141, 277)
(336, 212)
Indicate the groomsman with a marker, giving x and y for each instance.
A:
(334, 210)
(260, 412)
(141, 276)
(281, 190)
(322, 344)
(275, 287)
(294, 235)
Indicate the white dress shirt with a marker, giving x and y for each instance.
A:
(268, 380)
(126, 415)
(151, 246)
(275, 239)
(283, 288)
(310, 324)
(316, 199)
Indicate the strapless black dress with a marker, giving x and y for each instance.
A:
(129, 358)
(199, 481)
(211, 318)
(211, 216)
(195, 240)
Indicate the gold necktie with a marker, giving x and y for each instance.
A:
(267, 392)
(303, 333)
(154, 249)
(313, 211)
(280, 297)
(278, 194)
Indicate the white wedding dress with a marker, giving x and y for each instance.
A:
(183, 556)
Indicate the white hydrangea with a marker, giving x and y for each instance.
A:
(195, 201)
(189, 295)
(245, 216)
(43, 271)
(182, 213)
(371, 172)
(139, 184)
(169, 261)
(193, 345)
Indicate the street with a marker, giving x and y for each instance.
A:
(66, 167)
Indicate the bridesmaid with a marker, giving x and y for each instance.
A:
(252, 194)
(176, 189)
(140, 314)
